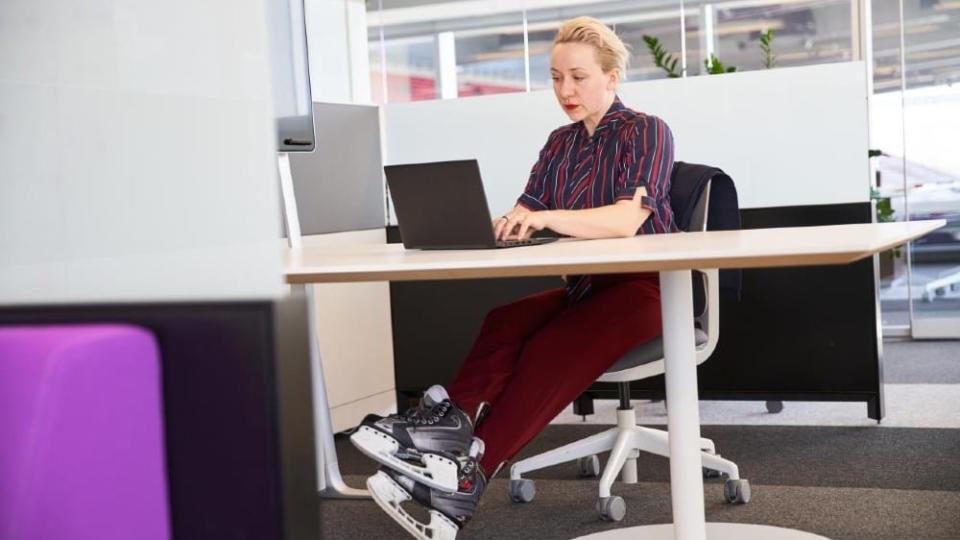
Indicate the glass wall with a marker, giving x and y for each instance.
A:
(428, 49)
(491, 60)
(915, 116)
(631, 22)
(488, 53)
(931, 125)
(403, 69)
(805, 32)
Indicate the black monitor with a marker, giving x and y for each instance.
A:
(290, 73)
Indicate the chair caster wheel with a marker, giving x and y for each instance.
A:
(736, 491)
(774, 407)
(588, 467)
(611, 508)
(522, 490)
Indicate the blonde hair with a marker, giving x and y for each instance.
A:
(612, 53)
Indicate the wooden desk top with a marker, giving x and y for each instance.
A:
(792, 246)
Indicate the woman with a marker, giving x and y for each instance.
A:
(605, 175)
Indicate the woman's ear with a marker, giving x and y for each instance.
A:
(613, 79)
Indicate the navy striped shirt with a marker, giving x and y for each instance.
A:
(627, 151)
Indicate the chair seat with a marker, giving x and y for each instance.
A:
(650, 351)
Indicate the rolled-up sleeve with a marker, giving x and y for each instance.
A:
(648, 163)
(536, 196)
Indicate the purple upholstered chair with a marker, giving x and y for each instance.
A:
(81, 434)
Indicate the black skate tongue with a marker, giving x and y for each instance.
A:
(435, 395)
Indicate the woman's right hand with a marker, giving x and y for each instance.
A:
(507, 224)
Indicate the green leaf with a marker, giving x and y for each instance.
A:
(766, 49)
(661, 58)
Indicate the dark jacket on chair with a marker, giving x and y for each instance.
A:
(686, 183)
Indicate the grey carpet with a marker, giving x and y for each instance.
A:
(839, 482)
(564, 509)
(874, 457)
(921, 362)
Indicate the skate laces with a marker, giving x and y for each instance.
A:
(424, 416)
(466, 477)
(470, 466)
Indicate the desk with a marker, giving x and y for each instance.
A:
(672, 255)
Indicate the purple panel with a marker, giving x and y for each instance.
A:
(81, 434)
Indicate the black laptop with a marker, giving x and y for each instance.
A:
(442, 206)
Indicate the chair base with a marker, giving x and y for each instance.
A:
(624, 442)
(715, 531)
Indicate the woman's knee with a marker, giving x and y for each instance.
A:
(522, 315)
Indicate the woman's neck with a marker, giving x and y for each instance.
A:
(592, 121)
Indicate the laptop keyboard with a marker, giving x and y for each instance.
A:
(527, 242)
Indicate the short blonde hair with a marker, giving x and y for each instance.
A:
(612, 53)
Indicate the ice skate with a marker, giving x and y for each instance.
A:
(424, 443)
(449, 512)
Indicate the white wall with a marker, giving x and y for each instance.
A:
(136, 143)
(787, 137)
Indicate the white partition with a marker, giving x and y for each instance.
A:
(138, 161)
(787, 136)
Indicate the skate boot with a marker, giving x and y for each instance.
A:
(449, 512)
(423, 443)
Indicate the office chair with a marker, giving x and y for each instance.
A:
(626, 439)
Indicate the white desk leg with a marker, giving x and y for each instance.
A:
(683, 414)
(331, 484)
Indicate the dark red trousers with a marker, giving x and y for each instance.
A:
(535, 356)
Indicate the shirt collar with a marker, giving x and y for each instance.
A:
(608, 117)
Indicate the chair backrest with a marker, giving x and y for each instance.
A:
(689, 196)
(690, 201)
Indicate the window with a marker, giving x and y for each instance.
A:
(403, 69)
(804, 32)
(491, 61)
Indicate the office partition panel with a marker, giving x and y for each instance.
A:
(788, 137)
(794, 141)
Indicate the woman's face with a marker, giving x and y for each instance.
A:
(581, 86)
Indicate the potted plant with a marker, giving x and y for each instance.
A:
(892, 263)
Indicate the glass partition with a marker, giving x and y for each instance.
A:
(915, 112)
(931, 124)
(491, 60)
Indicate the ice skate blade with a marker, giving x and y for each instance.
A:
(389, 496)
(438, 472)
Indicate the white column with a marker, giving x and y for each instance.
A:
(526, 52)
(357, 40)
(683, 40)
(446, 65)
(337, 46)
(708, 39)
(683, 414)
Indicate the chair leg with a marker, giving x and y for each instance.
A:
(717, 463)
(657, 441)
(595, 444)
(628, 474)
(650, 440)
(707, 446)
(621, 450)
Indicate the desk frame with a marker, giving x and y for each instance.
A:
(674, 256)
